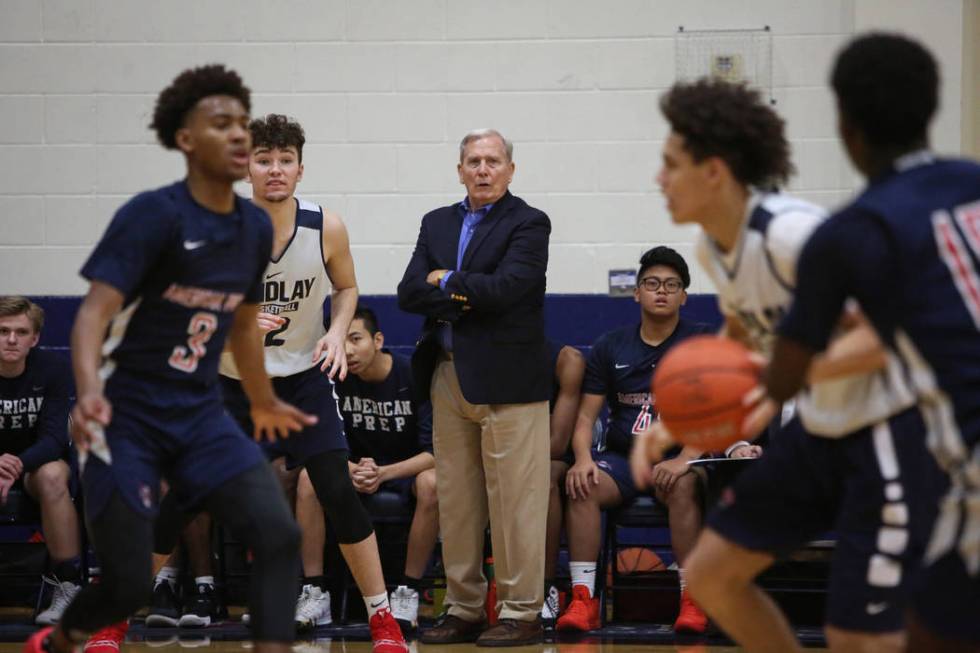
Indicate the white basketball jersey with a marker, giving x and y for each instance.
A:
(755, 283)
(296, 287)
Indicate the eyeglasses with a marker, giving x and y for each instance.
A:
(653, 284)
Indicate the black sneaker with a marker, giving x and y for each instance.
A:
(201, 609)
(164, 608)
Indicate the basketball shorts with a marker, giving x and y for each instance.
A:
(618, 467)
(310, 391)
(164, 428)
(873, 490)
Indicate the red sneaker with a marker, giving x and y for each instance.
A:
(35, 641)
(691, 618)
(582, 613)
(108, 639)
(386, 635)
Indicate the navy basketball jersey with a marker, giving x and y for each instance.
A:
(620, 367)
(183, 271)
(295, 287)
(909, 249)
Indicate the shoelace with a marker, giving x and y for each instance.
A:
(309, 606)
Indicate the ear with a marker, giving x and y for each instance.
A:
(185, 140)
(512, 169)
(459, 171)
(37, 338)
(636, 294)
(299, 177)
(683, 297)
(379, 340)
(715, 170)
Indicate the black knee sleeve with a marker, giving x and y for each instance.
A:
(122, 539)
(331, 481)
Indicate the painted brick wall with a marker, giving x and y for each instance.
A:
(385, 89)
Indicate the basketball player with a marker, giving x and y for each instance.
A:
(178, 272)
(310, 254)
(908, 248)
(618, 374)
(827, 469)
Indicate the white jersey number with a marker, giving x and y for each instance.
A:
(202, 326)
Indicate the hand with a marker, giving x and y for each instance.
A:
(666, 473)
(336, 358)
(5, 485)
(746, 451)
(435, 277)
(580, 478)
(277, 419)
(763, 411)
(90, 412)
(268, 321)
(11, 466)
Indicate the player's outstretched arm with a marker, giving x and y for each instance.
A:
(343, 299)
(272, 417)
(92, 410)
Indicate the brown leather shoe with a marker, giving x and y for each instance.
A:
(453, 630)
(513, 632)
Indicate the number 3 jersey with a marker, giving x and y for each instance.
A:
(294, 287)
(183, 270)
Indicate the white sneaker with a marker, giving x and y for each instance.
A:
(313, 608)
(61, 596)
(405, 607)
(551, 606)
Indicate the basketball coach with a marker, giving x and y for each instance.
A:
(478, 277)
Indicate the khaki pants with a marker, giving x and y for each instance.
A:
(491, 462)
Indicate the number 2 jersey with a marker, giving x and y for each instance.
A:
(294, 287)
(183, 270)
(756, 282)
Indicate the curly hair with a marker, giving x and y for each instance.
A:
(187, 89)
(663, 255)
(730, 121)
(887, 86)
(279, 132)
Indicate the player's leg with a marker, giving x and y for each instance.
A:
(49, 486)
(685, 515)
(583, 526)
(886, 517)
(784, 499)
(253, 507)
(421, 541)
(202, 606)
(309, 516)
(550, 609)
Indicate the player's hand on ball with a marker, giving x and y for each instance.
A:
(277, 419)
(267, 321)
(90, 413)
(580, 478)
(336, 356)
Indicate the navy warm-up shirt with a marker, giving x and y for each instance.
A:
(34, 410)
(381, 419)
(620, 366)
(183, 270)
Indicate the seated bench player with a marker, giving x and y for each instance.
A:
(35, 396)
(618, 372)
(390, 438)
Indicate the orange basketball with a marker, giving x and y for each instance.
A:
(698, 388)
(638, 560)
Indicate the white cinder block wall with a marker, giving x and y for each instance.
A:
(385, 89)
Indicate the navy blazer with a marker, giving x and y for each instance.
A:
(494, 301)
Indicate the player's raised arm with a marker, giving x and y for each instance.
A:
(271, 416)
(98, 308)
(343, 299)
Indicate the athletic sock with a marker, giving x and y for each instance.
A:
(682, 579)
(316, 581)
(583, 573)
(168, 574)
(376, 603)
